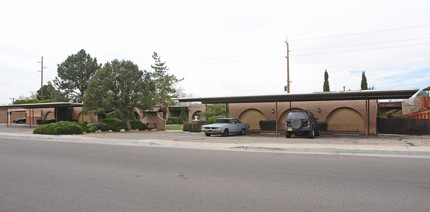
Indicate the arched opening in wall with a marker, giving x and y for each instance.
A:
(253, 118)
(198, 116)
(82, 118)
(283, 117)
(49, 116)
(345, 119)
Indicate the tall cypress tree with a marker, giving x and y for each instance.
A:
(326, 87)
(363, 81)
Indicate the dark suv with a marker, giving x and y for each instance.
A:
(301, 123)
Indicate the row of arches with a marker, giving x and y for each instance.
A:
(340, 119)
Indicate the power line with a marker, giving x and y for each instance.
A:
(362, 44)
(220, 60)
(356, 50)
(362, 33)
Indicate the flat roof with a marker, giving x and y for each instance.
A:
(41, 105)
(316, 96)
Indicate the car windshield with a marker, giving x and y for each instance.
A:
(222, 121)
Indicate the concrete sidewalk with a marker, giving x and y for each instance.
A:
(380, 145)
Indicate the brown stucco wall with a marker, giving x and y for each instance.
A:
(193, 109)
(154, 118)
(321, 109)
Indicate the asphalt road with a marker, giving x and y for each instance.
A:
(40, 175)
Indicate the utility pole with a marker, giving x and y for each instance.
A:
(41, 80)
(288, 67)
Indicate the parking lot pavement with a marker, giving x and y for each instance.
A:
(16, 128)
(340, 139)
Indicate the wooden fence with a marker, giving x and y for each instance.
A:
(408, 126)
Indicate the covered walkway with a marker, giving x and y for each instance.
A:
(365, 95)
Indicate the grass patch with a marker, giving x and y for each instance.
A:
(174, 127)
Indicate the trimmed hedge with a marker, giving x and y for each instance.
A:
(193, 127)
(115, 124)
(174, 120)
(188, 127)
(268, 125)
(59, 128)
(137, 125)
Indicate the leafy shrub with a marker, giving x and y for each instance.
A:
(115, 124)
(193, 127)
(323, 126)
(188, 127)
(137, 125)
(173, 120)
(395, 114)
(59, 128)
(102, 126)
(183, 116)
(268, 125)
(87, 127)
(197, 126)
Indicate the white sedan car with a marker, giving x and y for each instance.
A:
(225, 126)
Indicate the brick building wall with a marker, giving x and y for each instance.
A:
(321, 109)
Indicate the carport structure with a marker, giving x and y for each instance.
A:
(31, 108)
(365, 95)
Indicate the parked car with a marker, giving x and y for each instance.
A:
(20, 120)
(225, 127)
(301, 123)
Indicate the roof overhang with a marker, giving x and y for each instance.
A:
(41, 105)
(316, 96)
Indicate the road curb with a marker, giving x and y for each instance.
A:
(390, 151)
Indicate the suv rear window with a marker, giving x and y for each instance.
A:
(297, 115)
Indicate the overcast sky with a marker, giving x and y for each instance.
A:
(223, 48)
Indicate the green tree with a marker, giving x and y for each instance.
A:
(217, 110)
(183, 115)
(326, 87)
(50, 92)
(363, 81)
(165, 90)
(75, 73)
(119, 85)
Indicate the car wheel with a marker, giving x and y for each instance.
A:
(207, 134)
(225, 133)
(288, 135)
(311, 134)
(242, 132)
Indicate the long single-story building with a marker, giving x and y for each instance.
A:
(347, 111)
